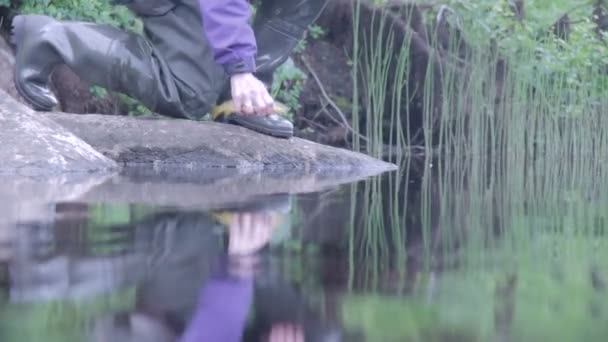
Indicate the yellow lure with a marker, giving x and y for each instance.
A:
(227, 108)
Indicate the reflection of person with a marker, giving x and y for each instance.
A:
(223, 306)
(194, 53)
(167, 304)
(5, 242)
(177, 301)
(281, 314)
(224, 301)
(168, 308)
(6, 254)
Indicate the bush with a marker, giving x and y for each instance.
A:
(572, 51)
(97, 11)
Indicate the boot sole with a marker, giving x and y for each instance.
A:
(34, 103)
(284, 134)
(16, 36)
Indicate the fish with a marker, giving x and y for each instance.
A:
(227, 108)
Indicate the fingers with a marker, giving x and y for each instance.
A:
(247, 107)
(258, 102)
(286, 333)
(299, 335)
(249, 233)
(250, 96)
(265, 103)
(237, 95)
(278, 334)
(261, 107)
(260, 233)
(238, 235)
(247, 104)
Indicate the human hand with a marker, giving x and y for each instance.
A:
(286, 333)
(250, 95)
(248, 233)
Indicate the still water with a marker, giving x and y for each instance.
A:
(422, 254)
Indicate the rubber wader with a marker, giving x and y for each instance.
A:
(170, 70)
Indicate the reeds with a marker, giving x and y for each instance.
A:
(516, 157)
(483, 119)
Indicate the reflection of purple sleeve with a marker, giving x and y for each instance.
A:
(226, 25)
(222, 310)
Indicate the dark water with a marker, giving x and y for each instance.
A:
(418, 255)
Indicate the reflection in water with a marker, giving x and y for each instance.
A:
(143, 274)
(424, 254)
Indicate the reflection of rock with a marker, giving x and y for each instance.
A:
(25, 199)
(63, 277)
(44, 267)
(215, 189)
(166, 250)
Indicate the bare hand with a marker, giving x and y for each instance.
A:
(249, 233)
(250, 95)
(286, 333)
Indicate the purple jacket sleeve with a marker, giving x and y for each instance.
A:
(222, 311)
(226, 25)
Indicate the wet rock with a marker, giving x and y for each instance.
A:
(33, 145)
(7, 61)
(165, 143)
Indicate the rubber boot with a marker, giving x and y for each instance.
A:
(99, 54)
(279, 25)
(275, 124)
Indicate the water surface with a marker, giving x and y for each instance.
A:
(428, 253)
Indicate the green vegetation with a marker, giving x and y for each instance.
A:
(553, 76)
(60, 321)
(289, 78)
(99, 11)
